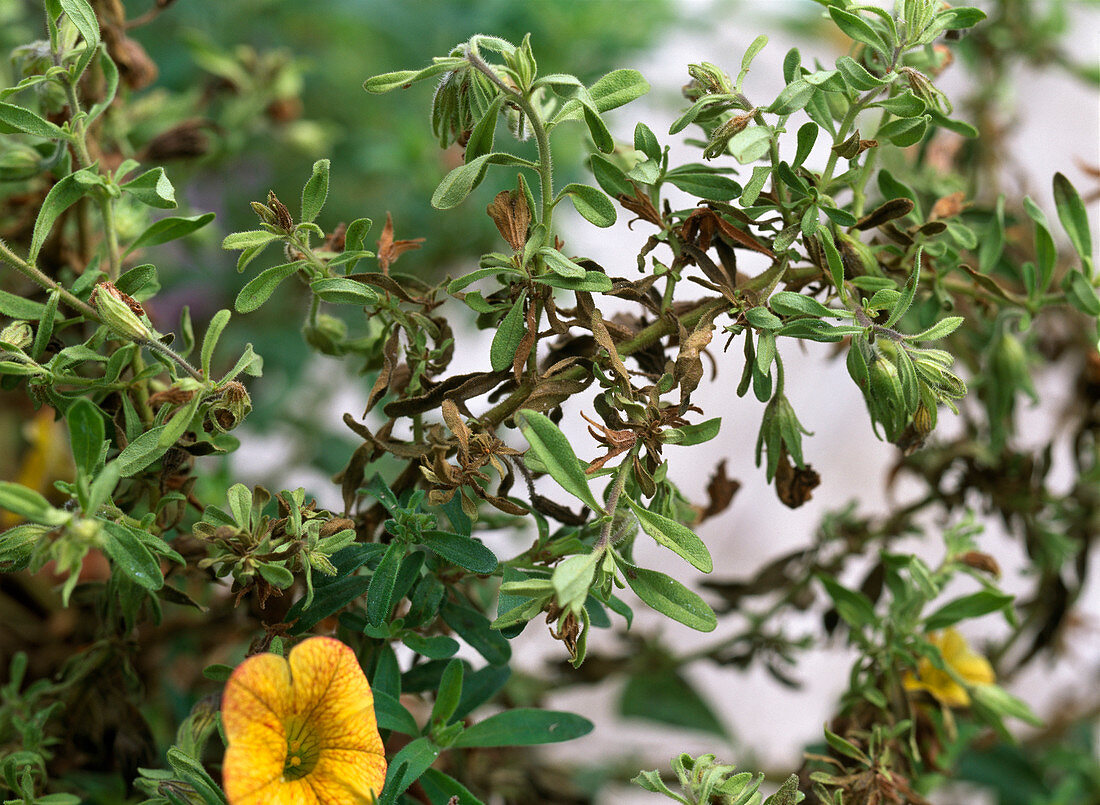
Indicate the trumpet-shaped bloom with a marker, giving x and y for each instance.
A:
(973, 668)
(303, 731)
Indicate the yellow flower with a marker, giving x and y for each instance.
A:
(302, 731)
(974, 669)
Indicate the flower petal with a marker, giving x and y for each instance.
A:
(332, 691)
(343, 776)
(255, 703)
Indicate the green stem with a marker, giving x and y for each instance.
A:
(542, 139)
(35, 274)
(613, 502)
(172, 355)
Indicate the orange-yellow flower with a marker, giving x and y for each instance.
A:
(303, 731)
(974, 669)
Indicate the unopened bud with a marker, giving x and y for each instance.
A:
(231, 409)
(710, 78)
(283, 218)
(327, 336)
(18, 334)
(722, 135)
(120, 312)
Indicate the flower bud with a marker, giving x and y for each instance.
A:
(231, 409)
(18, 334)
(327, 336)
(722, 135)
(120, 312)
(710, 78)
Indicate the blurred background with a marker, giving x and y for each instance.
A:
(253, 91)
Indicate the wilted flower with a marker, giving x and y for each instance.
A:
(302, 730)
(972, 668)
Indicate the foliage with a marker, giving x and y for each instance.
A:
(917, 276)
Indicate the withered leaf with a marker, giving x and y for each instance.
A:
(457, 424)
(794, 485)
(509, 212)
(549, 394)
(389, 249)
(603, 338)
(457, 387)
(720, 492)
(948, 206)
(887, 211)
(688, 371)
(389, 359)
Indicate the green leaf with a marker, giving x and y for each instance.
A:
(941, 329)
(276, 575)
(598, 129)
(86, 434)
(688, 435)
(751, 144)
(904, 105)
(1081, 294)
(19, 308)
(484, 131)
(553, 450)
(380, 592)
(315, 191)
(670, 597)
(248, 239)
(440, 787)
(178, 424)
(463, 551)
(474, 628)
(610, 177)
(508, 336)
(461, 181)
(750, 54)
(593, 205)
(674, 536)
(968, 606)
(1074, 218)
(592, 281)
(436, 647)
(210, 339)
(129, 553)
(168, 229)
(83, 17)
(62, 195)
(666, 697)
(525, 726)
(406, 767)
(856, 75)
(646, 142)
(402, 78)
(328, 599)
(392, 715)
(956, 19)
(259, 288)
(755, 184)
(852, 605)
(153, 189)
(617, 88)
(904, 132)
(789, 303)
(793, 97)
(16, 118)
(705, 185)
(858, 29)
(448, 693)
(344, 291)
(573, 577)
(906, 298)
(141, 452)
(29, 504)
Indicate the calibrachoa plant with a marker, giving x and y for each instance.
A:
(848, 211)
